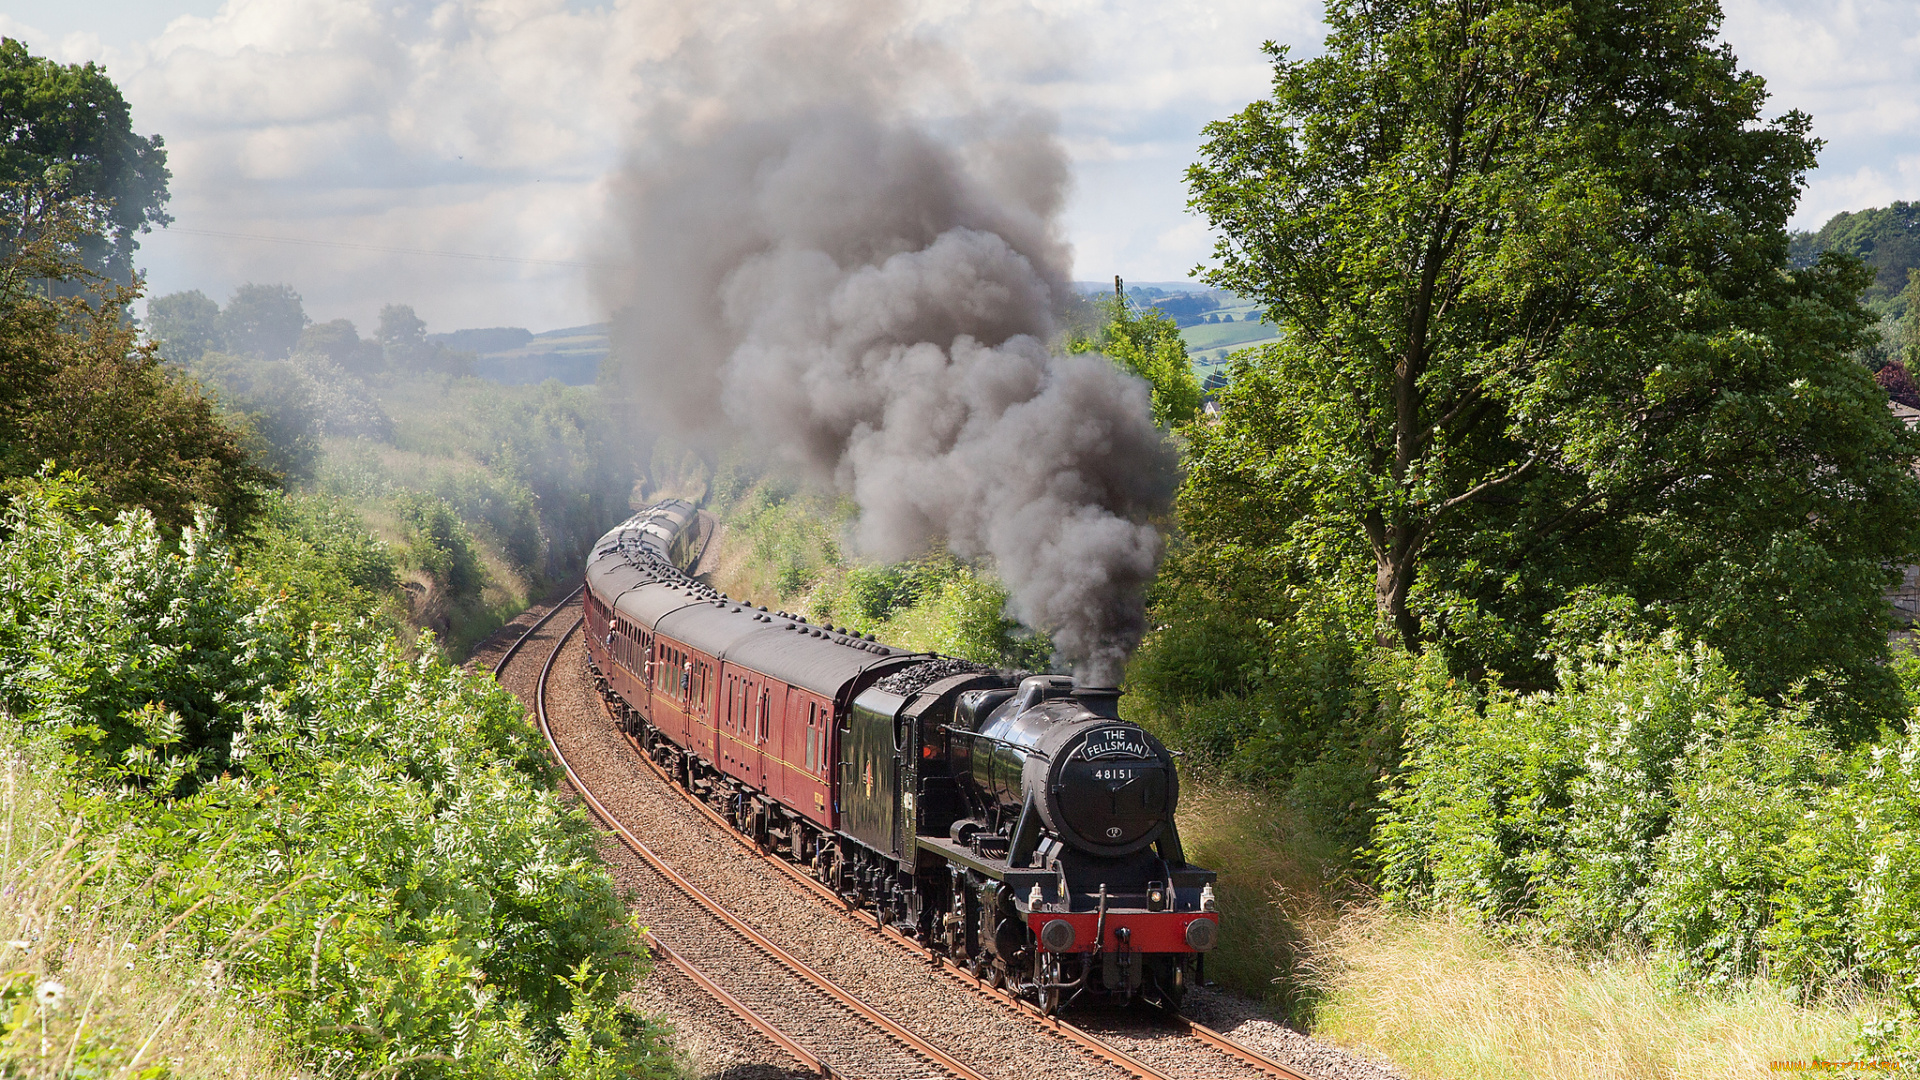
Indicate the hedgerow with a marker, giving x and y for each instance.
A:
(361, 843)
(1652, 803)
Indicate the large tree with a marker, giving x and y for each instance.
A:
(1543, 354)
(66, 127)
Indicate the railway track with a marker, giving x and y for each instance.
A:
(1173, 1049)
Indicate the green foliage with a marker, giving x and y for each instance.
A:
(1652, 802)
(262, 321)
(320, 560)
(1885, 238)
(69, 129)
(78, 389)
(403, 337)
(400, 327)
(438, 545)
(276, 402)
(362, 841)
(1553, 806)
(782, 549)
(967, 618)
(1538, 338)
(1148, 343)
(184, 325)
(341, 343)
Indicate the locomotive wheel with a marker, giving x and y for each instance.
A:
(1048, 972)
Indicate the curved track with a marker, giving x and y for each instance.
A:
(1179, 1047)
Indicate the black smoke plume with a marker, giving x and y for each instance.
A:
(820, 261)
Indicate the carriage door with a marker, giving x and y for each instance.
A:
(761, 706)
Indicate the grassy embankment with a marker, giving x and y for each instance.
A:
(246, 830)
(1437, 996)
(486, 495)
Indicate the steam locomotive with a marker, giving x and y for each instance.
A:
(1012, 822)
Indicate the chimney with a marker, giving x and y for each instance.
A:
(1099, 700)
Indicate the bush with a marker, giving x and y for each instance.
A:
(1554, 805)
(1652, 803)
(782, 549)
(320, 559)
(362, 841)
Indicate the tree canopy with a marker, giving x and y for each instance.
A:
(1148, 343)
(1543, 359)
(78, 389)
(66, 127)
(263, 321)
(1886, 238)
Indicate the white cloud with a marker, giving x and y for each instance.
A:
(489, 126)
(1854, 66)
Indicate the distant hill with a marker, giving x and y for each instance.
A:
(492, 340)
(517, 356)
(1886, 238)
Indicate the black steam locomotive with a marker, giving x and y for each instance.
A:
(1016, 824)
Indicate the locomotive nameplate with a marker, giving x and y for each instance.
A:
(1115, 743)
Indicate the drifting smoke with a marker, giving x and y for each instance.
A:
(869, 295)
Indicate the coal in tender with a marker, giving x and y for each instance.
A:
(909, 681)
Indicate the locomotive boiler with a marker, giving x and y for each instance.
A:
(1013, 822)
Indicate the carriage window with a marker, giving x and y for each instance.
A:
(766, 714)
(812, 719)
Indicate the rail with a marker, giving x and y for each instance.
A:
(1086, 1039)
(927, 1051)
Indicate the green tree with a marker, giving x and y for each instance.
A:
(66, 127)
(263, 321)
(340, 342)
(1906, 336)
(277, 405)
(184, 324)
(78, 388)
(1886, 238)
(400, 327)
(1148, 343)
(403, 336)
(1542, 345)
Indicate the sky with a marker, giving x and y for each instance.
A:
(456, 154)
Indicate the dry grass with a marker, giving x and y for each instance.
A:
(1280, 889)
(85, 990)
(1440, 999)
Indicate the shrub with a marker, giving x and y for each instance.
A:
(1555, 805)
(364, 842)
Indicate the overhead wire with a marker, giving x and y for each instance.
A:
(382, 248)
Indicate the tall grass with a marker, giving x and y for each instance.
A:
(1279, 891)
(86, 986)
(1443, 1000)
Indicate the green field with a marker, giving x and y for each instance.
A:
(1209, 344)
(571, 355)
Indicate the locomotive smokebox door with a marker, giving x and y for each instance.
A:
(870, 805)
